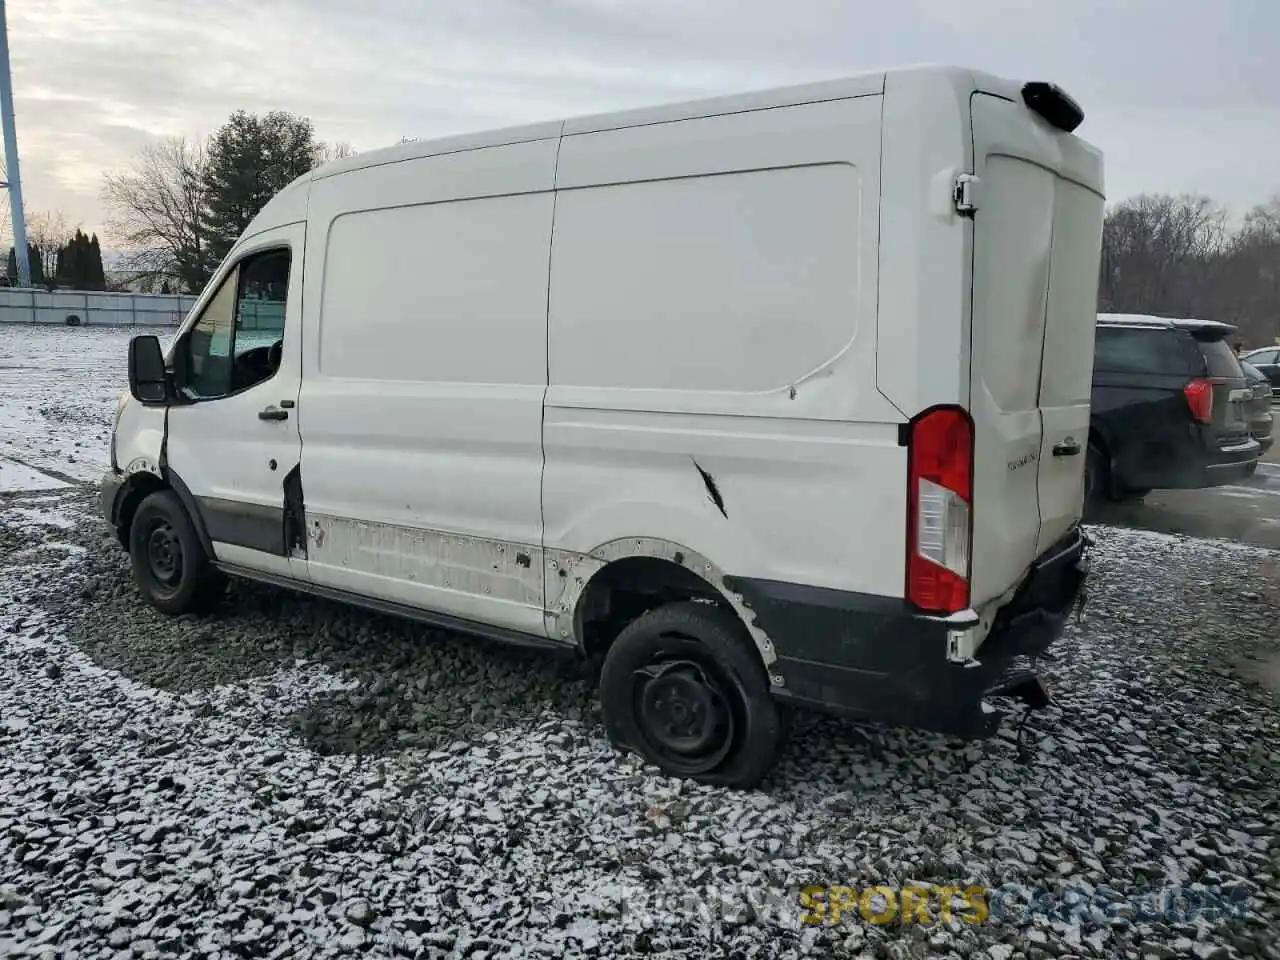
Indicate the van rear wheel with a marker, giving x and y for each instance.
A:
(170, 565)
(683, 687)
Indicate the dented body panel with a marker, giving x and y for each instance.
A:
(428, 562)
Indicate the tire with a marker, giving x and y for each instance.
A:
(679, 663)
(170, 565)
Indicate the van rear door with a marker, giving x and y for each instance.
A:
(1037, 241)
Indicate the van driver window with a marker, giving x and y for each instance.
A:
(238, 341)
(210, 341)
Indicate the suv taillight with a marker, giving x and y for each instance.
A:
(939, 509)
(1199, 394)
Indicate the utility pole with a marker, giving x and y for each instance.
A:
(11, 157)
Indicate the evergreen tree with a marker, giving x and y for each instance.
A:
(77, 264)
(79, 250)
(251, 158)
(37, 265)
(95, 273)
(64, 263)
(164, 287)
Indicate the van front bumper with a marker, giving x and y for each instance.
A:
(109, 488)
(877, 660)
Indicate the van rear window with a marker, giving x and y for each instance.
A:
(1129, 350)
(1219, 358)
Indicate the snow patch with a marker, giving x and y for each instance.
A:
(43, 517)
(17, 478)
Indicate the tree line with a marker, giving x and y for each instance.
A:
(58, 257)
(179, 207)
(1182, 256)
(181, 204)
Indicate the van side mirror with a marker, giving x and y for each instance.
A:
(148, 381)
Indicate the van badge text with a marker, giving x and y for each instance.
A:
(1023, 460)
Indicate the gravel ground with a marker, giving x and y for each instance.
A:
(292, 778)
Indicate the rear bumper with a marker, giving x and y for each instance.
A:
(1233, 464)
(874, 659)
(1206, 465)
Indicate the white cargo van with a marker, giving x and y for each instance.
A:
(771, 400)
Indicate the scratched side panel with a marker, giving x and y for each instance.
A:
(473, 578)
(428, 559)
(712, 330)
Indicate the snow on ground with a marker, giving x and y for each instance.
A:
(288, 777)
(58, 387)
(14, 477)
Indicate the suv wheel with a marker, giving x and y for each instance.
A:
(170, 565)
(683, 687)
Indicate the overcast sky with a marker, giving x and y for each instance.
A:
(1183, 95)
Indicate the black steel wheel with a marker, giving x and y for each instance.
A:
(170, 565)
(164, 554)
(683, 687)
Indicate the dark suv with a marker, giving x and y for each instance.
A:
(1170, 408)
(1267, 360)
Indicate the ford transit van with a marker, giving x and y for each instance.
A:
(774, 400)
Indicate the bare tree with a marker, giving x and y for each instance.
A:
(1263, 221)
(327, 152)
(1177, 256)
(47, 234)
(158, 206)
(1249, 285)
(1158, 252)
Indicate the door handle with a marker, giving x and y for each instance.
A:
(1067, 448)
(271, 413)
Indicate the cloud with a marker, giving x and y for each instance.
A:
(1181, 96)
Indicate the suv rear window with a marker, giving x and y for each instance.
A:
(1132, 350)
(1219, 359)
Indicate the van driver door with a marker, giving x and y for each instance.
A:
(233, 438)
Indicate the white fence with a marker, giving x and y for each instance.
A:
(96, 309)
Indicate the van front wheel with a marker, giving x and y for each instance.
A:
(169, 563)
(683, 687)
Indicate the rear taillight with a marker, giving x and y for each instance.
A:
(939, 510)
(1199, 394)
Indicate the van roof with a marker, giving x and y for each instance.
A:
(961, 80)
(1194, 326)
